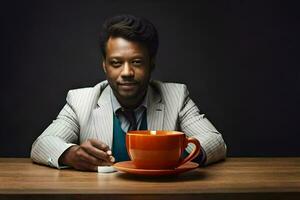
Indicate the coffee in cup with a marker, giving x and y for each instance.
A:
(159, 149)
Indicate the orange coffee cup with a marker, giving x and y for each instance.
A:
(159, 149)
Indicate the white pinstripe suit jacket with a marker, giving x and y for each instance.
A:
(88, 114)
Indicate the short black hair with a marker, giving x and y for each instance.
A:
(132, 28)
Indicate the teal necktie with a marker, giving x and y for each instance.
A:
(130, 116)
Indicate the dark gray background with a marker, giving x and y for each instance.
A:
(238, 58)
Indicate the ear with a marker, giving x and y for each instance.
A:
(104, 65)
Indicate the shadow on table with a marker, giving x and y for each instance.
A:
(187, 176)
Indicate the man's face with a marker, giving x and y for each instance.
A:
(127, 68)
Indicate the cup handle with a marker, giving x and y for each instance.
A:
(195, 151)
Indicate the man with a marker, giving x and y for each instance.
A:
(90, 129)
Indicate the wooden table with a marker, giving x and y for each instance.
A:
(236, 178)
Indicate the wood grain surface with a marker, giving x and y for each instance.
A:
(242, 178)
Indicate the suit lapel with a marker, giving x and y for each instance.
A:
(155, 111)
(103, 118)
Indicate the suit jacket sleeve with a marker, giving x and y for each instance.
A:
(197, 125)
(61, 134)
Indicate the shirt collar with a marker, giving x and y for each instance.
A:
(116, 105)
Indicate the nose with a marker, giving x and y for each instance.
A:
(127, 70)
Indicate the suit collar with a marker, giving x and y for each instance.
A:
(155, 111)
(103, 117)
(153, 95)
(104, 96)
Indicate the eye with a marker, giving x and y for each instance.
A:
(137, 62)
(115, 63)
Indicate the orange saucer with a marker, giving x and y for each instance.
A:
(128, 166)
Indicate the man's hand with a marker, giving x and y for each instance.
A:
(88, 156)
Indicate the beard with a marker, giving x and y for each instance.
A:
(132, 95)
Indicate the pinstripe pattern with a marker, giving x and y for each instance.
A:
(88, 114)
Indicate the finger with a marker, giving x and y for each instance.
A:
(97, 162)
(100, 145)
(84, 156)
(112, 159)
(106, 164)
(84, 166)
(99, 154)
